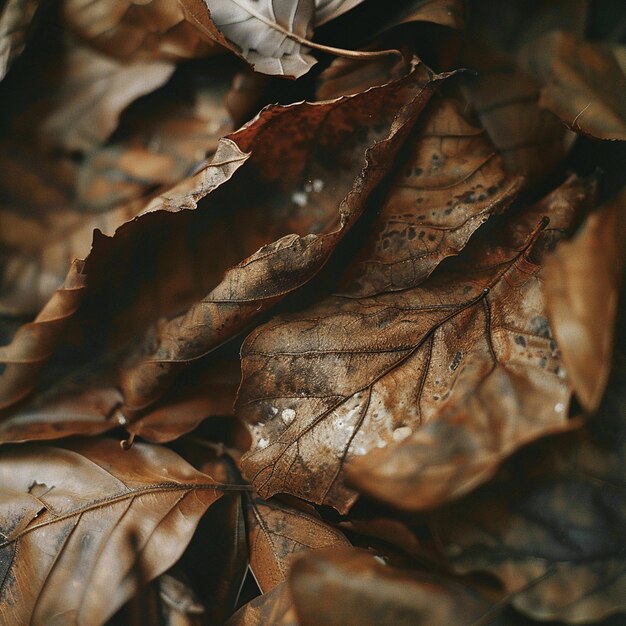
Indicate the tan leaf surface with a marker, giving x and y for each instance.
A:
(429, 363)
(351, 586)
(582, 84)
(140, 31)
(314, 166)
(277, 533)
(70, 519)
(583, 277)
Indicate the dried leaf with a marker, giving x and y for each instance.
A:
(351, 140)
(553, 532)
(277, 533)
(93, 92)
(351, 586)
(15, 18)
(583, 84)
(349, 375)
(146, 31)
(35, 342)
(506, 101)
(180, 605)
(274, 607)
(274, 37)
(583, 277)
(67, 547)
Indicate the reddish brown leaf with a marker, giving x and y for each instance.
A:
(342, 148)
(70, 518)
(349, 375)
(277, 533)
(583, 277)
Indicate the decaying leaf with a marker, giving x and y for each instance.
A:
(69, 549)
(583, 84)
(35, 342)
(353, 140)
(273, 607)
(554, 531)
(156, 29)
(350, 375)
(276, 534)
(351, 586)
(583, 278)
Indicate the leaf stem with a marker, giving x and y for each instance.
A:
(340, 52)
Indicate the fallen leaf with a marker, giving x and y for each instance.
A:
(146, 31)
(553, 531)
(582, 84)
(362, 134)
(275, 37)
(180, 604)
(352, 586)
(583, 277)
(35, 342)
(427, 364)
(277, 533)
(274, 607)
(15, 18)
(69, 551)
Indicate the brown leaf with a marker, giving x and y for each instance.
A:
(274, 607)
(277, 533)
(15, 18)
(67, 548)
(583, 277)
(146, 31)
(582, 84)
(180, 605)
(553, 529)
(349, 375)
(35, 342)
(275, 37)
(313, 166)
(506, 101)
(446, 186)
(350, 587)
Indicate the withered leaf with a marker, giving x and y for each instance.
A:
(277, 533)
(553, 531)
(35, 342)
(140, 31)
(180, 605)
(313, 167)
(69, 549)
(583, 277)
(274, 607)
(351, 586)
(429, 363)
(274, 37)
(582, 84)
(15, 17)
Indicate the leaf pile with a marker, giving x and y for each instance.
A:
(312, 312)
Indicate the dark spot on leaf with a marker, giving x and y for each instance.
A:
(520, 341)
